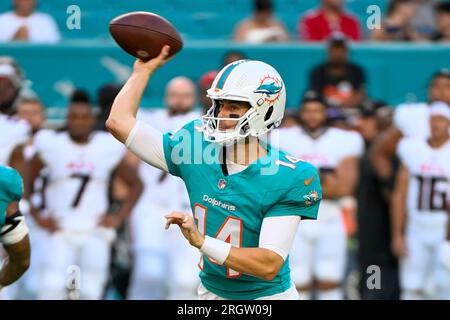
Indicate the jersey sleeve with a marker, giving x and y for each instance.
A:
(348, 144)
(279, 242)
(16, 186)
(11, 184)
(356, 147)
(302, 199)
(403, 148)
(398, 117)
(146, 142)
(179, 148)
(20, 131)
(404, 115)
(42, 143)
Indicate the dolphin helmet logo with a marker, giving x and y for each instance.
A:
(270, 87)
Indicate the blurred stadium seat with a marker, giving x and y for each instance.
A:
(197, 19)
(214, 22)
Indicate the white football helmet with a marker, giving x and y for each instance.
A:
(255, 82)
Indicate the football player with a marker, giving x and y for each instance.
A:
(418, 208)
(410, 120)
(11, 81)
(247, 198)
(13, 229)
(80, 230)
(32, 111)
(319, 252)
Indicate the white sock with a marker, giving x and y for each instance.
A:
(333, 294)
(412, 295)
(304, 294)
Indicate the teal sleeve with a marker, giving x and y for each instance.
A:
(169, 143)
(302, 200)
(179, 149)
(16, 186)
(11, 189)
(11, 184)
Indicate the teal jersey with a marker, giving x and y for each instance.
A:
(232, 207)
(11, 189)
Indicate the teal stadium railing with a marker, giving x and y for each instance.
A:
(395, 72)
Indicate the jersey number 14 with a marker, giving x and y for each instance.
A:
(230, 231)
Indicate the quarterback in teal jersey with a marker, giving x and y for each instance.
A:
(247, 197)
(13, 230)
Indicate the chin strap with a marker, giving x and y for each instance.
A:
(223, 163)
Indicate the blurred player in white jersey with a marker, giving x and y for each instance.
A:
(419, 217)
(11, 79)
(410, 120)
(154, 249)
(32, 111)
(79, 228)
(318, 256)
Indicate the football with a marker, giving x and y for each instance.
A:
(143, 34)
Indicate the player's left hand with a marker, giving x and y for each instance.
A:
(110, 221)
(187, 227)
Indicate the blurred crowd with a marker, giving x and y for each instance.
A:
(404, 20)
(363, 148)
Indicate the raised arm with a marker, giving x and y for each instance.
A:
(122, 117)
(139, 137)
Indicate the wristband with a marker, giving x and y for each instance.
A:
(216, 249)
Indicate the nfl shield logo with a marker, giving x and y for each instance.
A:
(222, 184)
